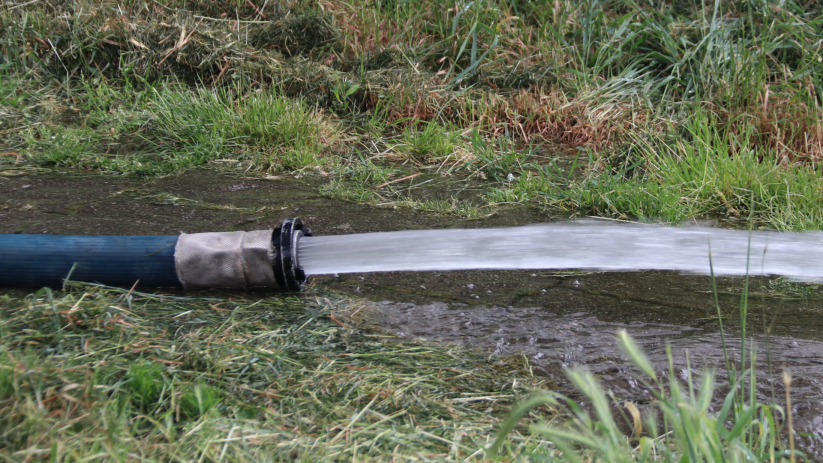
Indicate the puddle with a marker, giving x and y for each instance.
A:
(555, 319)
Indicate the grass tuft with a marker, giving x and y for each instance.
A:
(277, 132)
(144, 383)
(681, 422)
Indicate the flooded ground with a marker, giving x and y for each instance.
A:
(554, 319)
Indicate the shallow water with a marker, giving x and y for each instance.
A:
(570, 245)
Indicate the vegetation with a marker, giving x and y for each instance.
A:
(744, 429)
(674, 110)
(690, 430)
(95, 372)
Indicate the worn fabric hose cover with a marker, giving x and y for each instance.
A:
(225, 259)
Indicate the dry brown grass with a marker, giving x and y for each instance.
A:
(531, 114)
(365, 30)
(785, 127)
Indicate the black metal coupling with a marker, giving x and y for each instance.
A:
(285, 240)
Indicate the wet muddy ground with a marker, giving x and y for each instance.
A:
(554, 319)
(201, 200)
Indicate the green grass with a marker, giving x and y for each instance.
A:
(93, 372)
(430, 144)
(163, 129)
(64, 146)
(681, 425)
(274, 130)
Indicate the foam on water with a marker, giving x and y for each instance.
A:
(569, 245)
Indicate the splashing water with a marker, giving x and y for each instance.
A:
(570, 245)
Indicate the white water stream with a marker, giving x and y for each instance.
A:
(569, 245)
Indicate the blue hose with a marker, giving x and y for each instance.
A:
(45, 260)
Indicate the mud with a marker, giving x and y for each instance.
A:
(554, 319)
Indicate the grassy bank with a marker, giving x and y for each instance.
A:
(674, 110)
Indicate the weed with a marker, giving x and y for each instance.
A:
(690, 427)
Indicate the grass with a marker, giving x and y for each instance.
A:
(431, 144)
(483, 89)
(95, 371)
(64, 146)
(659, 180)
(274, 130)
(682, 424)
(163, 129)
